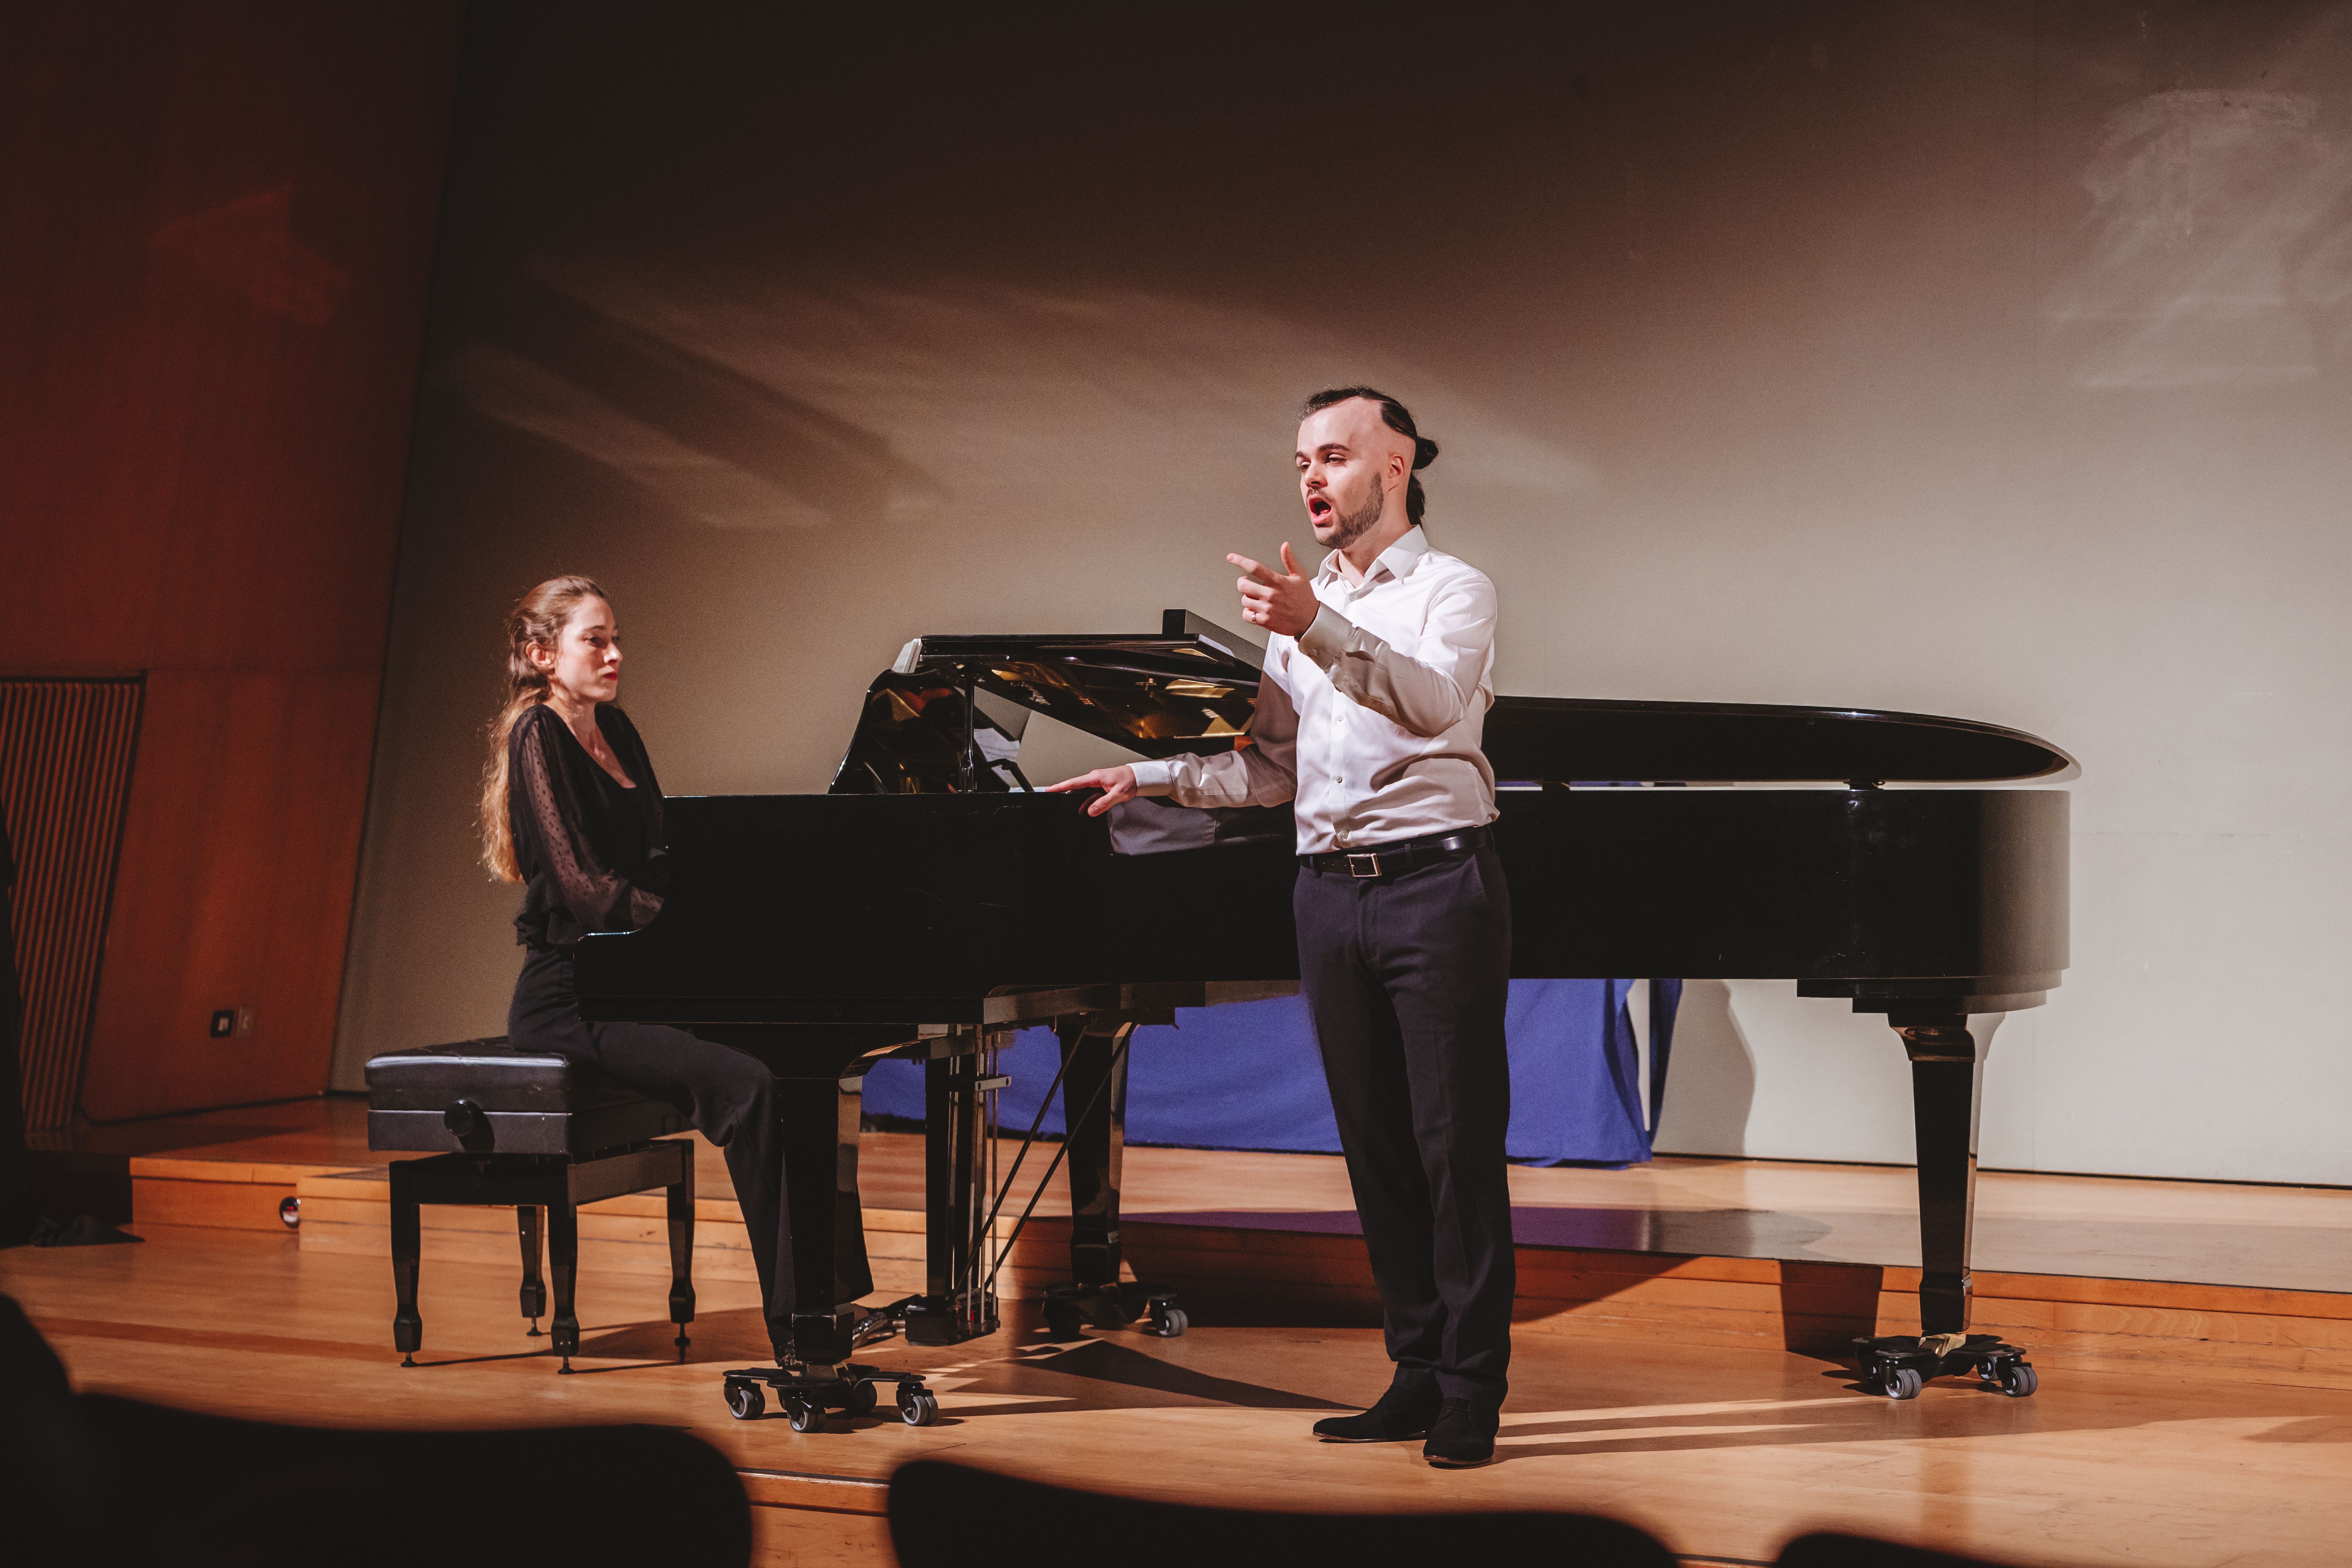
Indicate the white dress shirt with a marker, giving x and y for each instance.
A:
(1370, 719)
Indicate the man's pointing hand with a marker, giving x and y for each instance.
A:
(1118, 786)
(1281, 602)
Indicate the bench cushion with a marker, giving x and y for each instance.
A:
(492, 1075)
(529, 1102)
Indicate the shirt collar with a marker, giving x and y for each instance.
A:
(1400, 558)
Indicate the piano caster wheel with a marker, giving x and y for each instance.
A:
(1901, 1383)
(745, 1401)
(861, 1399)
(1063, 1321)
(2017, 1380)
(918, 1407)
(1168, 1323)
(806, 1414)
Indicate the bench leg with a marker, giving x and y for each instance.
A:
(407, 1249)
(534, 1288)
(563, 1262)
(681, 1246)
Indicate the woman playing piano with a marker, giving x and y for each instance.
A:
(571, 810)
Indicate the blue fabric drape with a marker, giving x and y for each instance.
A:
(1247, 1076)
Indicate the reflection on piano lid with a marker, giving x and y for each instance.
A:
(922, 734)
(1190, 687)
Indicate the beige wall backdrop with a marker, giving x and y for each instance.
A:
(1978, 358)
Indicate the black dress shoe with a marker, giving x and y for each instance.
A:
(1463, 1436)
(1400, 1413)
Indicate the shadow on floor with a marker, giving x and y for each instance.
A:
(737, 1336)
(1107, 1361)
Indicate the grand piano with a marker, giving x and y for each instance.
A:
(929, 904)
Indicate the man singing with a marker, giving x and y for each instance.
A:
(1377, 682)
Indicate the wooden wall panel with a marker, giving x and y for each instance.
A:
(244, 820)
(216, 231)
(216, 227)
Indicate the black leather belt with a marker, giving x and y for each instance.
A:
(1387, 859)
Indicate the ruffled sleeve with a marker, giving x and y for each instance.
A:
(572, 890)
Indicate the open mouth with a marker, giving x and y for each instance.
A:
(1317, 508)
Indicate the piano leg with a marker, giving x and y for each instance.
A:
(821, 1259)
(1946, 1074)
(958, 1300)
(1094, 1074)
(1946, 1080)
(1094, 1116)
(812, 1258)
(852, 1268)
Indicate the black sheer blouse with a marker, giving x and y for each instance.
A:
(591, 851)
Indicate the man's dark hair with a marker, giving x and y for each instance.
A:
(1397, 417)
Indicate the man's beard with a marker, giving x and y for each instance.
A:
(1347, 527)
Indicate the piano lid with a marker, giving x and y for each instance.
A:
(1187, 689)
(1190, 688)
(1557, 739)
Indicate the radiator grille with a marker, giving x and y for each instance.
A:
(65, 774)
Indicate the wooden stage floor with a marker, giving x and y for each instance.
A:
(2217, 1232)
(1641, 1401)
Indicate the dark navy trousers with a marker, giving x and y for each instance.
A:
(1406, 977)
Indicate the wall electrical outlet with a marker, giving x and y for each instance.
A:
(228, 1021)
(245, 1020)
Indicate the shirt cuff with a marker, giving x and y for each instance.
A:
(1154, 777)
(1327, 638)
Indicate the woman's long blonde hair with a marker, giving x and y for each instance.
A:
(537, 618)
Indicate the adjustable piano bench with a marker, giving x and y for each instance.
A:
(531, 1129)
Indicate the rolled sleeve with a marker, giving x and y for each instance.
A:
(1229, 778)
(1327, 638)
(1429, 692)
(1155, 777)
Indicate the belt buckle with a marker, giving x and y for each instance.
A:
(1363, 866)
